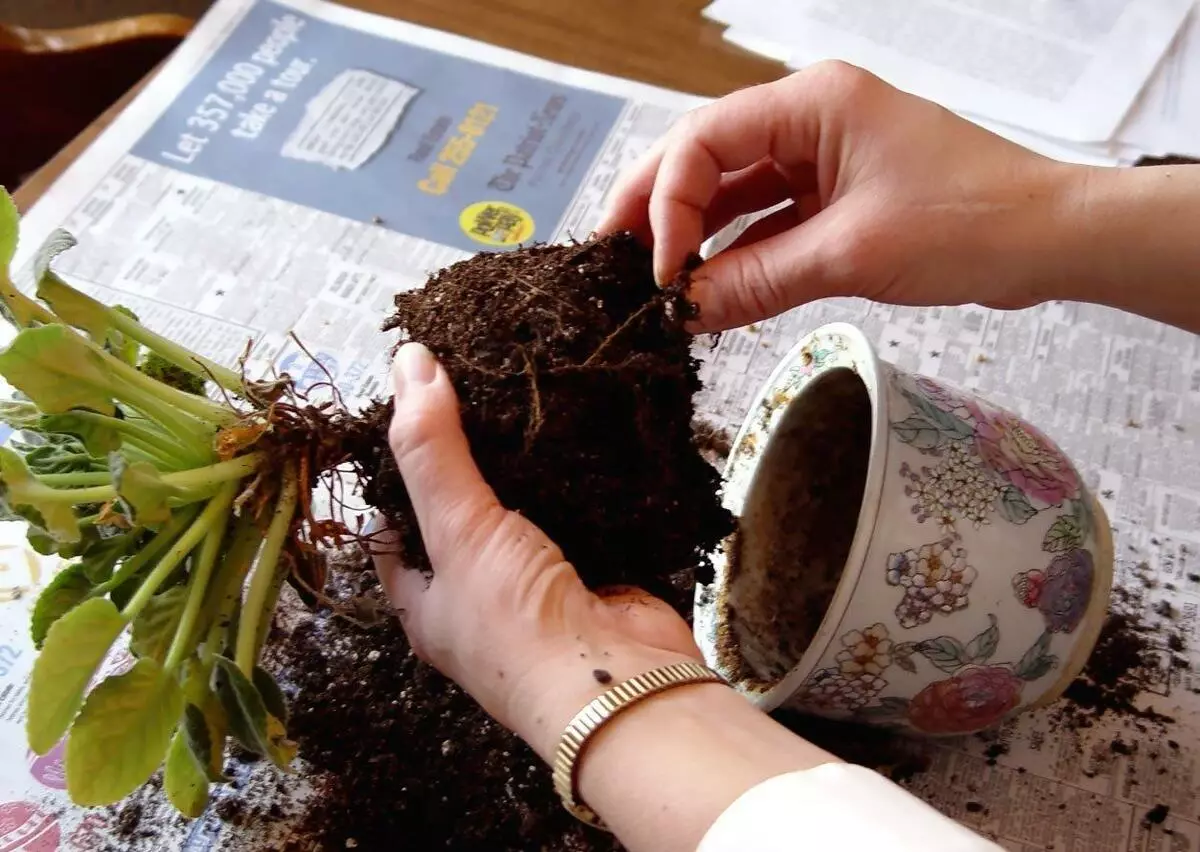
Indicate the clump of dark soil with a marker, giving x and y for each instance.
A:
(405, 758)
(575, 379)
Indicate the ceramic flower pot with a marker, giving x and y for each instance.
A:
(907, 554)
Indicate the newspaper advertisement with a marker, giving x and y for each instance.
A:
(297, 163)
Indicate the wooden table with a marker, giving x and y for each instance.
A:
(662, 42)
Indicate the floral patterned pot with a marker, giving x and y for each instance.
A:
(961, 575)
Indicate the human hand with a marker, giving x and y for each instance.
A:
(504, 614)
(893, 198)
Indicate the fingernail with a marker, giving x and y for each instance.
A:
(417, 364)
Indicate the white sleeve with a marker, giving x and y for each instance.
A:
(840, 807)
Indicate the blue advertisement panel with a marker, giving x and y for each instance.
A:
(459, 152)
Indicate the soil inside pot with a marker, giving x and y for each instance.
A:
(796, 529)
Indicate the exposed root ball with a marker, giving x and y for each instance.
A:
(575, 379)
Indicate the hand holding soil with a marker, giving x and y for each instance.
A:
(893, 198)
(504, 614)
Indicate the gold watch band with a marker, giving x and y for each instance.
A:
(600, 711)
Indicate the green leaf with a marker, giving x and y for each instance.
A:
(58, 370)
(98, 437)
(905, 661)
(154, 628)
(75, 646)
(184, 780)
(945, 652)
(142, 490)
(1036, 662)
(10, 229)
(20, 490)
(1064, 534)
(102, 554)
(67, 590)
(58, 454)
(919, 432)
(122, 734)
(17, 308)
(1015, 506)
(256, 729)
(205, 737)
(981, 648)
(272, 695)
(72, 306)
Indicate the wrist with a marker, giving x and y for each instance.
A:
(569, 675)
(1126, 239)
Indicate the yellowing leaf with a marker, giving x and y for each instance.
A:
(184, 781)
(20, 491)
(58, 370)
(75, 646)
(18, 308)
(142, 490)
(10, 228)
(249, 721)
(122, 734)
(154, 628)
(67, 590)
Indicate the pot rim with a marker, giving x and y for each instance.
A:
(745, 464)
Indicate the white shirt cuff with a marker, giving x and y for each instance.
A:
(836, 806)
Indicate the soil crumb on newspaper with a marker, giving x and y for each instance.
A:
(575, 377)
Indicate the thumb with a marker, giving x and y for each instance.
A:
(779, 262)
(449, 496)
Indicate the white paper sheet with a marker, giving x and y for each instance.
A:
(1056, 67)
(1166, 117)
(1071, 152)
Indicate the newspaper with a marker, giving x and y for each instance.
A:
(347, 152)
(1056, 67)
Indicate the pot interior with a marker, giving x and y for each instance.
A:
(796, 529)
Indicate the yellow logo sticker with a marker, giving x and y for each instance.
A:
(496, 223)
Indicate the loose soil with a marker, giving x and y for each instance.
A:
(1132, 659)
(575, 379)
(405, 759)
(795, 533)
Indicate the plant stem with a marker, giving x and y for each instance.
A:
(158, 545)
(178, 355)
(184, 641)
(133, 329)
(137, 433)
(213, 513)
(264, 571)
(200, 407)
(187, 429)
(226, 589)
(194, 479)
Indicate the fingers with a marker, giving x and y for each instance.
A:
(626, 209)
(449, 496)
(756, 188)
(776, 121)
(792, 256)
